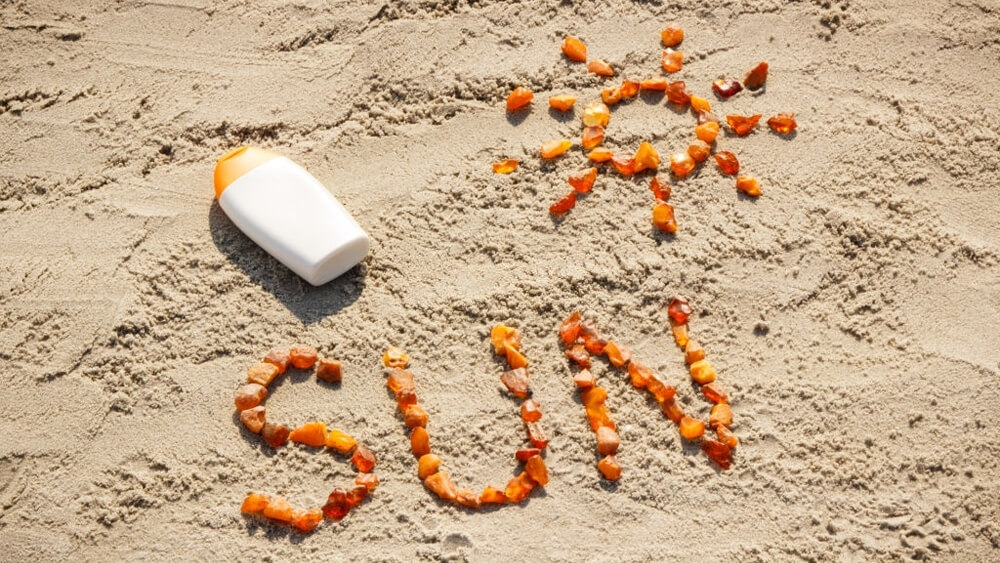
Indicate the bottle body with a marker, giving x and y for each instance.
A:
(286, 211)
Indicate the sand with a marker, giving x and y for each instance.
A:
(852, 311)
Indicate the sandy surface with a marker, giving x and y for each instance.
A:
(853, 311)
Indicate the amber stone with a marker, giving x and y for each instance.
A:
(748, 185)
(672, 411)
(660, 188)
(579, 355)
(367, 480)
(399, 379)
(537, 438)
(428, 465)
(607, 440)
(639, 374)
(515, 359)
(337, 506)
(516, 381)
(303, 357)
(531, 411)
(659, 389)
(727, 162)
(593, 397)
(535, 468)
(691, 428)
(624, 165)
(718, 452)
(681, 164)
(608, 466)
(468, 499)
(663, 217)
(617, 354)
(654, 84)
(505, 166)
(562, 102)
(420, 441)
(414, 416)
(574, 49)
(672, 61)
(519, 487)
(646, 157)
(524, 454)
(405, 398)
(699, 104)
(440, 484)
(262, 373)
(278, 510)
(340, 442)
(311, 434)
(395, 358)
(679, 309)
(596, 114)
(492, 495)
(600, 154)
(756, 77)
(519, 98)
(714, 393)
(278, 358)
(677, 93)
(699, 150)
(611, 96)
(583, 180)
(592, 136)
(693, 352)
(254, 419)
(600, 68)
(727, 437)
(592, 340)
(680, 332)
(726, 88)
(249, 396)
(742, 124)
(707, 131)
(721, 415)
(702, 372)
(363, 459)
(672, 35)
(599, 417)
(329, 371)
(584, 379)
(569, 330)
(276, 435)
(254, 503)
(783, 123)
(356, 495)
(555, 148)
(501, 335)
(629, 88)
(564, 204)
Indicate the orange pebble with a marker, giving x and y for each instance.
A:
(783, 123)
(329, 371)
(516, 382)
(249, 396)
(639, 374)
(536, 436)
(395, 358)
(742, 125)
(492, 495)
(623, 165)
(276, 435)
(303, 357)
(253, 419)
(254, 503)
(584, 379)
(659, 389)
(611, 96)
(279, 359)
(428, 465)
(500, 335)
(531, 411)
(519, 487)
(600, 68)
(420, 441)
(262, 373)
(363, 459)
(307, 520)
(569, 329)
(592, 136)
(600, 154)
(672, 35)
(618, 355)
(727, 437)
(558, 147)
(721, 415)
(599, 416)
(367, 480)
(596, 114)
(519, 98)
(646, 157)
(681, 164)
(594, 397)
(340, 442)
(756, 77)
(680, 332)
(629, 88)
(608, 466)
(672, 411)
(707, 131)
(564, 204)
(278, 510)
(677, 93)
(311, 434)
(505, 166)
(699, 150)
(702, 372)
(728, 163)
(718, 452)
(654, 84)
(535, 468)
(660, 188)
(583, 180)
(357, 494)
(515, 359)
(607, 440)
(414, 416)
(699, 104)
(574, 49)
(562, 102)
(693, 352)
(748, 185)
(691, 428)
(579, 355)
(337, 506)
(468, 499)
(672, 61)
(714, 393)
(440, 484)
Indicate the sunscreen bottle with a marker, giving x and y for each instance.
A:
(289, 214)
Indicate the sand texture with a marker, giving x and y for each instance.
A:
(853, 311)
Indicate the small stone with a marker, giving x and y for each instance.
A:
(748, 185)
(783, 123)
(279, 359)
(583, 180)
(707, 131)
(700, 104)
(611, 96)
(600, 68)
(516, 381)
(569, 330)
(672, 61)
(593, 397)
(519, 98)
(337, 505)
(660, 390)
(714, 393)
(727, 437)
(608, 466)
(262, 373)
(607, 441)
(420, 441)
(629, 88)
(303, 357)
(562, 102)
(672, 411)
(646, 157)
(756, 77)
(639, 374)
(564, 204)
(524, 454)
(249, 396)
(356, 495)
(367, 480)
(617, 354)
(584, 379)
(428, 465)
(253, 419)
(592, 136)
(693, 352)
(721, 415)
(395, 358)
(536, 436)
(699, 150)
(329, 371)
(505, 166)
(468, 499)
(535, 468)
(492, 495)
(672, 35)
(363, 459)
(660, 188)
(718, 452)
(555, 148)
(599, 417)
(654, 84)
(726, 88)
(276, 435)
(679, 309)
(254, 503)
(681, 164)
(307, 520)
(741, 124)
(727, 162)
(340, 442)
(663, 217)
(596, 114)
(677, 93)
(600, 154)
(578, 353)
(311, 434)
(414, 416)
(531, 411)
(702, 372)
(440, 484)
(278, 510)
(519, 488)
(574, 49)
(691, 428)
(623, 165)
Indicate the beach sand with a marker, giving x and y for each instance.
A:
(852, 311)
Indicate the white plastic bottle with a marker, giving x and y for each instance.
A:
(289, 214)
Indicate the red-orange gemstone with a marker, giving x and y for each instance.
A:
(660, 188)
(531, 411)
(699, 150)
(564, 204)
(654, 84)
(599, 417)
(569, 330)
(639, 374)
(646, 157)
(691, 428)
(516, 381)
(519, 488)
(672, 411)
(306, 520)
(718, 452)
(519, 98)
(600, 68)
(783, 123)
(623, 165)
(578, 353)
(524, 454)
(629, 88)
(679, 309)
(303, 357)
(363, 459)
(562, 102)
(742, 125)
(728, 163)
(368, 480)
(707, 131)
(592, 341)
(672, 35)
(608, 466)
(505, 166)
(659, 389)
(356, 495)
(727, 437)
(593, 397)
(279, 359)
(276, 435)
(756, 77)
(574, 49)
(677, 93)
(583, 180)
(337, 505)
(536, 436)
(611, 96)
(748, 185)
(618, 355)
(492, 495)
(553, 149)
(592, 136)
(254, 503)
(278, 510)
(584, 379)
(535, 468)
(726, 88)
(672, 61)
(714, 393)
(681, 164)
(600, 154)
(414, 415)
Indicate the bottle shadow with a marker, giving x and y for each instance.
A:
(309, 303)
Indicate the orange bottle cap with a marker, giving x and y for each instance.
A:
(236, 163)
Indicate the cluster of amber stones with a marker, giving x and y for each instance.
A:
(506, 341)
(249, 402)
(581, 340)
